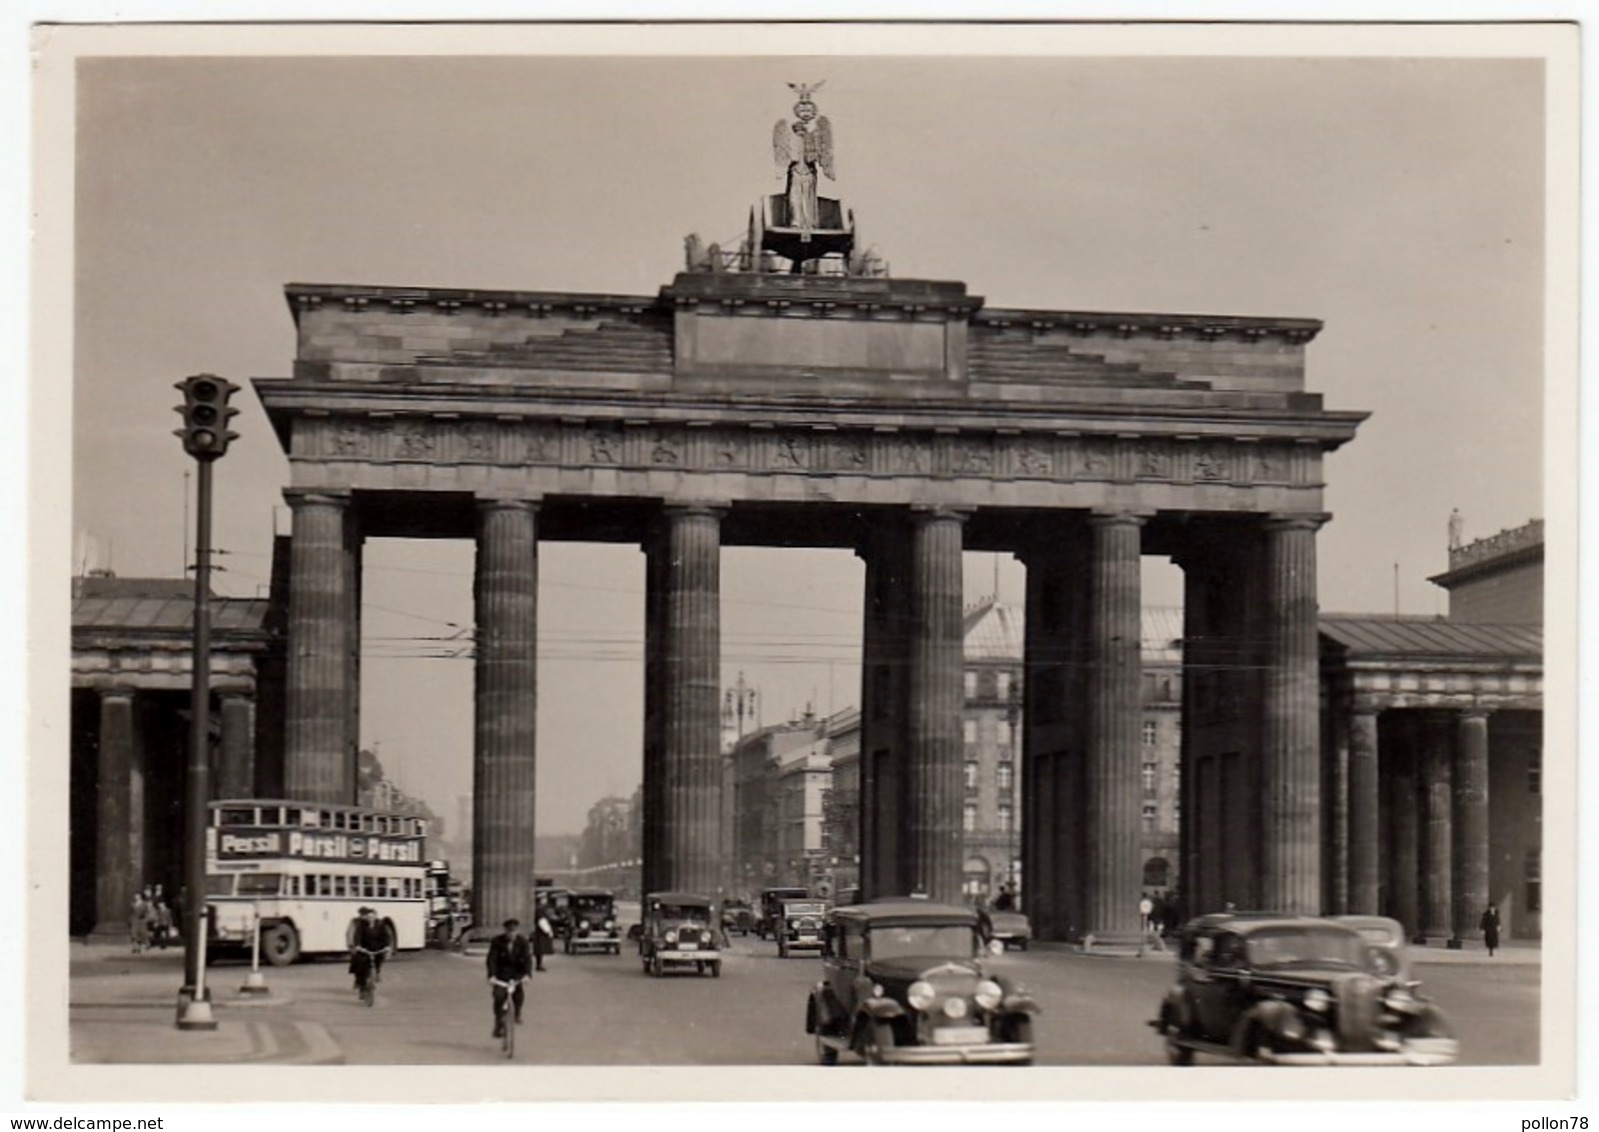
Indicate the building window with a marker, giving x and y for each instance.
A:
(1007, 777)
(1149, 817)
(1149, 778)
(1534, 876)
(1007, 818)
(971, 684)
(1151, 732)
(971, 774)
(1002, 685)
(1535, 772)
(1003, 734)
(969, 817)
(969, 730)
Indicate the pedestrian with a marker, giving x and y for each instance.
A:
(1004, 902)
(543, 937)
(508, 962)
(162, 934)
(1490, 929)
(1146, 925)
(139, 920)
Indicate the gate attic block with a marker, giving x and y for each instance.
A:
(792, 410)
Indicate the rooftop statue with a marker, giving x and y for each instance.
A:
(799, 224)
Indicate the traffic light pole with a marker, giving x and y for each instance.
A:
(194, 1000)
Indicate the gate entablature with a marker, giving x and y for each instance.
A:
(794, 388)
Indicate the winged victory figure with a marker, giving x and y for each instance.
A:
(801, 150)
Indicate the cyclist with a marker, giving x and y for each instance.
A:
(510, 961)
(369, 943)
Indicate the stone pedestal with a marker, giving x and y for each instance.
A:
(1290, 778)
(686, 783)
(319, 759)
(1365, 811)
(505, 595)
(932, 848)
(1114, 703)
(1469, 824)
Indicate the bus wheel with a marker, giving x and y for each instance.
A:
(280, 944)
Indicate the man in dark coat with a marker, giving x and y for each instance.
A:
(1490, 929)
(509, 961)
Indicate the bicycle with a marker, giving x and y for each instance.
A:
(366, 975)
(502, 1008)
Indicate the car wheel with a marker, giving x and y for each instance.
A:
(825, 1054)
(716, 969)
(657, 967)
(1176, 1052)
(280, 944)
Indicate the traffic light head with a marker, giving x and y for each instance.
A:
(206, 414)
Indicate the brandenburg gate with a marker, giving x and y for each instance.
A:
(905, 419)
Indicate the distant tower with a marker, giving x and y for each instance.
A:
(740, 712)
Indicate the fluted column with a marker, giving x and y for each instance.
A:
(1404, 835)
(505, 724)
(1365, 810)
(1290, 766)
(1053, 855)
(884, 665)
(236, 772)
(319, 762)
(651, 846)
(1470, 823)
(1437, 840)
(1112, 794)
(689, 783)
(934, 791)
(119, 814)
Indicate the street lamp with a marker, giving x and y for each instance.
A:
(205, 436)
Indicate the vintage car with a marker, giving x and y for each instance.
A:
(680, 930)
(903, 983)
(801, 928)
(738, 916)
(1387, 939)
(1294, 990)
(594, 925)
(770, 908)
(1010, 928)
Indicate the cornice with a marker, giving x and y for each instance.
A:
(1203, 327)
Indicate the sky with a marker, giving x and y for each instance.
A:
(1399, 200)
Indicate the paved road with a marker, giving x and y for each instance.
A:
(433, 1009)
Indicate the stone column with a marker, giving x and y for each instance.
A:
(236, 774)
(1470, 824)
(119, 817)
(884, 665)
(654, 744)
(1290, 765)
(1053, 856)
(689, 782)
(1114, 874)
(1405, 838)
(1365, 810)
(505, 722)
(934, 792)
(1437, 837)
(319, 764)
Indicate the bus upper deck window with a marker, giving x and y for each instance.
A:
(236, 815)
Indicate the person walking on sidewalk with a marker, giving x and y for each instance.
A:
(1147, 930)
(139, 920)
(1490, 929)
(510, 962)
(543, 937)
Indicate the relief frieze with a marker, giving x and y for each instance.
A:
(645, 445)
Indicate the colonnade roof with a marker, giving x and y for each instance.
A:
(157, 606)
(1365, 636)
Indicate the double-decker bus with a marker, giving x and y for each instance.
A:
(306, 869)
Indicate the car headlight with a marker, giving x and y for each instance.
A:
(955, 1007)
(877, 990)
(671, 936)
(610, 925)
(1318, 1000)
(1399, 999)
(988, 994)
(920, 994)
